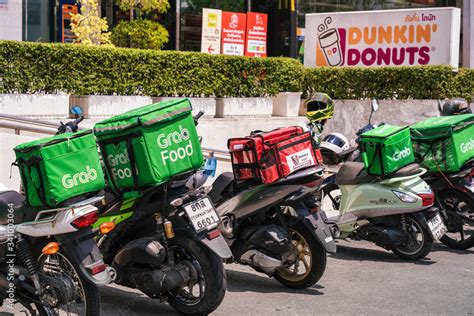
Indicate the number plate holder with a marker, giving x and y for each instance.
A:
(202, 214)
(437, 227)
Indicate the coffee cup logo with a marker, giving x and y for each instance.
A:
(329, 42)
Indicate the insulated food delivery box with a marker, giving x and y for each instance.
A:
(444, 144)
(386, 148)
(60, 167)
(150, 144)
(269, 156)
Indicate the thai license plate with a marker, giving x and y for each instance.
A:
(437, 227)
(202, 214)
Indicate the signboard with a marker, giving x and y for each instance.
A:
(233, 33)
(256, 43)
(67, 35)
(211, 31)
(383, 38)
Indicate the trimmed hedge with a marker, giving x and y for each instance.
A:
(79, 70)
(75, 69)
(418, 82)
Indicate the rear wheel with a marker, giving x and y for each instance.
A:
(311, 260)
(419, 241)
(204, 294)
(460, 221)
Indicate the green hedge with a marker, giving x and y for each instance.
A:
(420, 82)
(74, 69)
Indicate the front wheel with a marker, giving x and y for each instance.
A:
(460, 220)
(419, 241)
(204, 294)
(311, 260)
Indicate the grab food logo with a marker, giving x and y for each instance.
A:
(176, 137)
(467, 146)
(120, 165)
(401, 154)
(69, 181)
(383, 38)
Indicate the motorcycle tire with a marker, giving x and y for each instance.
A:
(313, 251)
(423, 249)
(212, 272)
(450, 199)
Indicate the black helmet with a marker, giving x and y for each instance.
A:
(454, 107)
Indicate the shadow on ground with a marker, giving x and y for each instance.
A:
(238, 281)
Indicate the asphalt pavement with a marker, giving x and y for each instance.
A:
(360, 279)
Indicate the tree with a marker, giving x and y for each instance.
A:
(88, 26)
(140, 32)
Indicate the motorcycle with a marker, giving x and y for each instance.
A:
(277, 228)
(49, 261)
(395, 212)
(166, 243)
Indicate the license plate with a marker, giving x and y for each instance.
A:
(202, 214)
(437, 227)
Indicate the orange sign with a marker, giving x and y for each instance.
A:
(256, 43)
(68, 36)
(233, 33)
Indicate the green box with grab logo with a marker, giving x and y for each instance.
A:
(148, 145)
(60, 167)
(386, 148)
(444, 144)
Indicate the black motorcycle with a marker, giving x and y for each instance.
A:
(275, 228)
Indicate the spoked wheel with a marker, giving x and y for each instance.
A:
(75, 295)
(205, 292)
(460, 222)
(419, 240)
(310, 262)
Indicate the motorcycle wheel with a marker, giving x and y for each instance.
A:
(207, 293)
(460, 221)
(311, 256)
(420, 241)
(87, 300)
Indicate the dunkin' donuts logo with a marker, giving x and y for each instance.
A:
(403, 42)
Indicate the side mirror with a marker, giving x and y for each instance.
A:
(375, 105)
(76, 110)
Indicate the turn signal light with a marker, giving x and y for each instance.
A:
(51, 248)
(86, 220)
(106, 227)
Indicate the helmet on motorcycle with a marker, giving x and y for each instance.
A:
(319, 107)
(454, 107)
(335, 142)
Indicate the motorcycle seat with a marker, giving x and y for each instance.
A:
(10, 199)
(220, 186)
(408, 170)
(352, 173)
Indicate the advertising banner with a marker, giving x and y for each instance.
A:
(256, 43)
(233, 33)
(211, 31)
(383, 38)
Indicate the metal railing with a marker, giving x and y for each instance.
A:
(19, 124)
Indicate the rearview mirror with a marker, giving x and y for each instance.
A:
(375, 105)
(76, 110)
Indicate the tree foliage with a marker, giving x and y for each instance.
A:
(88, 26)
(161, 6)
(140, 33)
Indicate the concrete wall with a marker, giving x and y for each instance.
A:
(44, 106)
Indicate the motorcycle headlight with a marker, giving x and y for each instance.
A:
(404, 197)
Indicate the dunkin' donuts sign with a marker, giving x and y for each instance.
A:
(383, 38)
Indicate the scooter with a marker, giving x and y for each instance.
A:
(277, 228)
(395, 212)
(49, 261)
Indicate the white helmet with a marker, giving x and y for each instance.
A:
(335, 142)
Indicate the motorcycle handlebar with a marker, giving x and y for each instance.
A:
(197, 117)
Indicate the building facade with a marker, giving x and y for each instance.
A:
(48, 20)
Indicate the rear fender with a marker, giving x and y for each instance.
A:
(218, 245)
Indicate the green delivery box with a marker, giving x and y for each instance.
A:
(148, 145)
(60, 167)
(444, 143)
(386, 149)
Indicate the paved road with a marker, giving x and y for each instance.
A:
(359, 279)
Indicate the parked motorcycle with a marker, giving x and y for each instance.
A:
(275, 228)
(395, 212)
(49, 261)
(166, 243)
